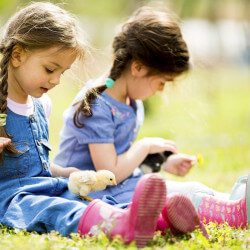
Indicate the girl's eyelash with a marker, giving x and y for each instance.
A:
(48, 70)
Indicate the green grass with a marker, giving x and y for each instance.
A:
(221, 237)
(208, 113)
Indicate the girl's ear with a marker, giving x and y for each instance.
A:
(18, 55)
(138, 69)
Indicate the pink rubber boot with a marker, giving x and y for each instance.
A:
(138, 222)
(235, 212)
(181, 216)
(220, 211)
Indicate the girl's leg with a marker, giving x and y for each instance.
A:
(189, 188)
(235, 212)
(137, 222)
(42, 213)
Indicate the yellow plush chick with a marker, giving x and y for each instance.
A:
(84, 182)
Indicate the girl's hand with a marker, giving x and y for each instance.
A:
(3, 142)
(179, 164)
(157, 145)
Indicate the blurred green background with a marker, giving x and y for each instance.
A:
(206, 111)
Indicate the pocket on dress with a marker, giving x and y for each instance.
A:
(46, 147)
(17, 165)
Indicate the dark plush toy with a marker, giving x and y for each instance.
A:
(153, 162)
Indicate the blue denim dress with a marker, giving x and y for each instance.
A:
(30, 198)
(112, 122)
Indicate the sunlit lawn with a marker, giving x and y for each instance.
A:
(208, 113)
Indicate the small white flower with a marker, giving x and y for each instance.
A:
(105, 213)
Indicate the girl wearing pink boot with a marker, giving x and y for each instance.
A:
(103, 122)
(41, 42)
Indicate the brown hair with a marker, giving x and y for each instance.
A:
(151, 36)
(38, 26)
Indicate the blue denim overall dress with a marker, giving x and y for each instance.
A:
(30, 198)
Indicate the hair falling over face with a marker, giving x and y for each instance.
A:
(38, 26)
(151, 36)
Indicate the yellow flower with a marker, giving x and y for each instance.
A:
(200, 159)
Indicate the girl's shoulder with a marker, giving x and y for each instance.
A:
(27, 109)
(89, 85)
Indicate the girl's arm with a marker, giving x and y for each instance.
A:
(104, 155)
(58, 171)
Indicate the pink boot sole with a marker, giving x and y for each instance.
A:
(182, 215)
(148, 202)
